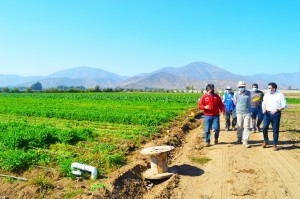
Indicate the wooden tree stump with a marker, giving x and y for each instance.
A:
(159, 162)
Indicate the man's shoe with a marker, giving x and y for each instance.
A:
(207, 144)
(233, 128)
(264, 144)
(239, 141)
(245, 143)
(216, 141)
(275, 148)
(227, 129)
(258, 129)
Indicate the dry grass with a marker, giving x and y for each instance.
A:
(292, 95)
(200, 160)
(290, 118)
(289, 124)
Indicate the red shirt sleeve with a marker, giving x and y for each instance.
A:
(201, 103)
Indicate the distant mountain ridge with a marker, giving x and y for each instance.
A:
(85, 72)
(11, 80)
(196, 74)
(200, 69)
(292, 80)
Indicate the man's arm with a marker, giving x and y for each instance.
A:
(201, 103)
(221, 105)
(234, 98)
(283, 103)
(263, 105)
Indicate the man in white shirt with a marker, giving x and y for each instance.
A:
(273, 103)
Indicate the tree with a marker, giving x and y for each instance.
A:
(190, 87)
(5, 89)
(37, 86)
(108, 90)
(15, 90)
(28, 90)
(97, 88)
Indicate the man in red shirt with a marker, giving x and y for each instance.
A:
(212, 104)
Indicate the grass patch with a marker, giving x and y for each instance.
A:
(94, 187)
(42, 182)
(74, 193)
(200, 160)
(10, 180)
(294, 136)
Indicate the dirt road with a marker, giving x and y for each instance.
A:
(234, 171)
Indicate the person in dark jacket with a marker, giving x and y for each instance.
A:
(228, 100)
(212, 104)
(256, 109)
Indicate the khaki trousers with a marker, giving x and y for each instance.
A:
(243, 123)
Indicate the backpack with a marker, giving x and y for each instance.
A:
(228, 102)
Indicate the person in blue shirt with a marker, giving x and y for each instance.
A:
(229, 108)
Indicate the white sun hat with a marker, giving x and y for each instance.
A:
(241, 84)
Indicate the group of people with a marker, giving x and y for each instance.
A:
(243, 106)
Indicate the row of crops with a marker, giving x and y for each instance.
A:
(56, 129)
(293, 100)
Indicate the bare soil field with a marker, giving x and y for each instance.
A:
(228, 171)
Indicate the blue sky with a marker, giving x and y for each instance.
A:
(128, 37)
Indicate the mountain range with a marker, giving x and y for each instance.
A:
(196, 75)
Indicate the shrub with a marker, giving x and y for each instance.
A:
(116, 159)
(17, 160)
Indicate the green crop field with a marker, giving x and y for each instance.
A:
(99, 129)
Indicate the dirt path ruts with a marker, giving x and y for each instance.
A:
(234, 171)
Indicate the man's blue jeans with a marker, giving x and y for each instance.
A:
(211, 121)
(256, 112)
(274, 119)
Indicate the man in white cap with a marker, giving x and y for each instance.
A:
(228, 100)
(242, 100)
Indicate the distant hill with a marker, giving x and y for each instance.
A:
(86, 73)
(196, 74)
(80, 76)
(12, 80)
(288, 79)
(200, 71)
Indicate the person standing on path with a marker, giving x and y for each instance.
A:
(256, 109)
(212, 104)
(273, 103)
(242, 100)
(228, 100)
